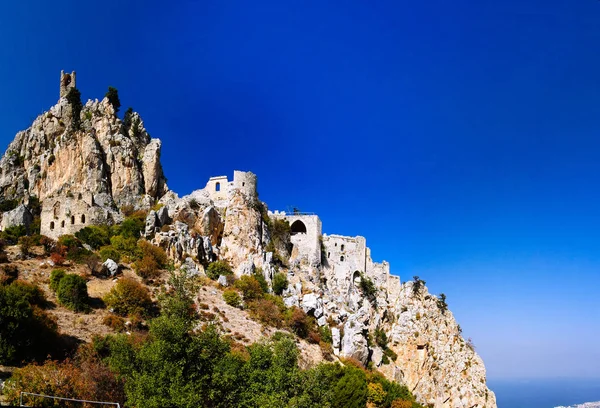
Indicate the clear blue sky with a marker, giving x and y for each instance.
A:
(460, 137)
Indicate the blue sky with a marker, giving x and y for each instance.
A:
(460, 138)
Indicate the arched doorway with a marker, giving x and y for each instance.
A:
(298, 227)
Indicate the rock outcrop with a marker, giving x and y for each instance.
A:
(84, 168)
(88, 163)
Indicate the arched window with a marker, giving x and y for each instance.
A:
(218, 187)
(298, 227)
(342, 247)
(62, 224)
(51, 225)
(342, 258)
(72, 219)
(83, 218)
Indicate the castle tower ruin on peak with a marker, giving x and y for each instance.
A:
(67, 81)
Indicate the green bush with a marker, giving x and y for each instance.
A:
(232, 297)
(280, 283)
(368, 288)
(72, 293)
(26, 331)
(8, 205)
(12, 234)
(55, 278)
(132, 226)
(218, 268)
(249, 287)
(258, 275)
(129, 298)
(381, 338)
(30, 292)
(109, 252)
(70, 242)
(418, 285)
(94, 236)
(126, 246)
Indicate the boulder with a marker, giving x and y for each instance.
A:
(222, 280)
(17, 216)
(110, 267)
(163, 216)
(151, 222)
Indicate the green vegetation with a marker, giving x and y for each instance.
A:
(26, 331)
(217, 268)
(8, 205)
(368, 288)
(418, 286)
(280, 283)
(441, 303)
(129, 298)
(94, 235)
(113, 97)
(71, 290)
(232, 297)
(11, 235)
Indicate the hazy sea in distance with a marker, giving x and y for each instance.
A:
(546, 393)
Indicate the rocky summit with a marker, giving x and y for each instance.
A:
(79, 165)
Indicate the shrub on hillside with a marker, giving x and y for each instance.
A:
(27, 332)
(94, 235)
(132, 226)
(232, 297)
(11, 235)
(249, 287)
(25, 245)
(129, 298)
(153, 259)
(126, 246)
(8, 274)
(267, 311)
(72, 293)
(30, 292)
(109, 252)
(280, 283)
(55, 278)
(298, 321)
(85, 377)
(368, 288)
(218, 268)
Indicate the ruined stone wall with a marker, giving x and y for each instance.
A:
(306, 245)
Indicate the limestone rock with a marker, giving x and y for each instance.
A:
(110, 267)
(19, 216)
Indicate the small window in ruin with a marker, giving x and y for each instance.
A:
(342, 258)
(243, 183)
(83, 218)
(336, 244)
(51, 225)
(72, 219)
(420, 347)
(342, 247)
(328, 254)
(218, 187)
(62, 224)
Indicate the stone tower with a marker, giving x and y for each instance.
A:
(67, 81)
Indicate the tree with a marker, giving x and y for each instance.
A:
(26, 331)
(418, 285)
(128, 297)
(217, 268)
(280, 283)
(113, 97)
(72, 293)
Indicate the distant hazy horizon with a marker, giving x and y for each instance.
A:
(544, 393)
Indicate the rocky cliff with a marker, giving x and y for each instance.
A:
(89, 159)
(85, 167)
